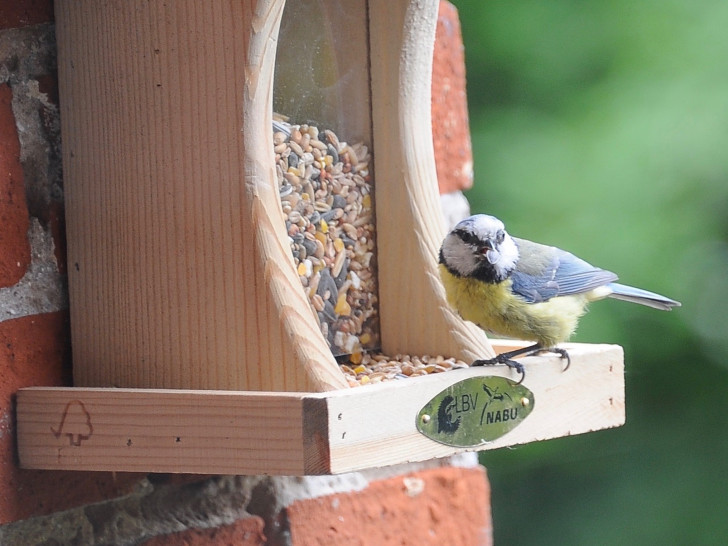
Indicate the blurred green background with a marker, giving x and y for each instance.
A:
(602, 127)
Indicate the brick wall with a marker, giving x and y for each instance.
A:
(440, 502)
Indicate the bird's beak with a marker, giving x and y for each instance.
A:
(490, 252)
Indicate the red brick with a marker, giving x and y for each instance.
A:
(244, 532)
(14, 247)
(21, 13)
(450, 128)
(34, 351)
(446, 505)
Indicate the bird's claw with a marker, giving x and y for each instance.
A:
(506, 360)
(562, 352)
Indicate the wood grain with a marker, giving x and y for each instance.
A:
(180, 273)
(137, 430)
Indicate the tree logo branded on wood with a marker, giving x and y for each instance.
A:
(75, 423)
(475, 411)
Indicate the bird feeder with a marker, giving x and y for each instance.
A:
(196, 344)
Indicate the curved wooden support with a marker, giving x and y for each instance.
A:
(306, 357)
(415, 317)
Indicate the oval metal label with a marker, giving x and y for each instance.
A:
(475, 411)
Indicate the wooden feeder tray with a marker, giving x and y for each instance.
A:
(195, 347)
(293, 433)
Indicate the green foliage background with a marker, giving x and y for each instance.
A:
(602, 127)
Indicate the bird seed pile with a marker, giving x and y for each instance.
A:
(326, 196)
(365, 368)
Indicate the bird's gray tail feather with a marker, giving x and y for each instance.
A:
(643, 297)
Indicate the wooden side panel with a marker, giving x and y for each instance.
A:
(415, 317)
(376, 426)
(211, 432)
(179, 275)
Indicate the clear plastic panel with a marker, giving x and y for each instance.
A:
(322, 68)
(322, 140)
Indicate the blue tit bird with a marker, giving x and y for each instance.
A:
(524, 290)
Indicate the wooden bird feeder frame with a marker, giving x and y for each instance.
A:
(195, 347)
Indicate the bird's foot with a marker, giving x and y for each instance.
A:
(563, 352)
(503, 358)
(507, 358)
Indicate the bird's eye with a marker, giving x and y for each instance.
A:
(468, 237)
(500, 236)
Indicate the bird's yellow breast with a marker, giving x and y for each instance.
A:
(496, 309)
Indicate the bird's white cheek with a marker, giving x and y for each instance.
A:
(509, 251)
(505, 259)
(460, 257)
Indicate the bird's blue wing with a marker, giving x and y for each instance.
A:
(544, 272)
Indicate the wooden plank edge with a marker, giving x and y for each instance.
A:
(316, 450)
(158, 430)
